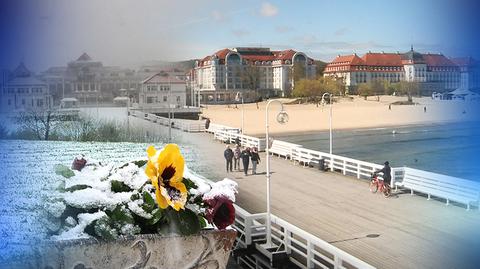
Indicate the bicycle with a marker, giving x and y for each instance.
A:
(377, 184)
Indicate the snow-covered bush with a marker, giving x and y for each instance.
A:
(158, 195)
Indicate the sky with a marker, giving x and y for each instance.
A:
(127, 33)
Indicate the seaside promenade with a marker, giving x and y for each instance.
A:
(402, 231)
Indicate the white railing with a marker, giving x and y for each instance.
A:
(184, 125)
(213, 128)
(346, 166)
(231, 136)
(303, 249)
(363, 170)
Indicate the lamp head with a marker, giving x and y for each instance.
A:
(282, 117)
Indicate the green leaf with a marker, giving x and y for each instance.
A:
(203, 222)
(134, 197)
(103, 229)
(64, 171)
(157, 215)
(185, 222)
(149, 202)
(77, 187)
(120, 215)
(189, 184)
(119, 186)
(140, 163)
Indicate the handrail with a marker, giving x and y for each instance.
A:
(284, 236)
(184, 125)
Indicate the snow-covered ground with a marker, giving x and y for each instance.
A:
(27, 176)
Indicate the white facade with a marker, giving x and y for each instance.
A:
(24, 93)
(162, 91)
(224, 72)
(434, 71)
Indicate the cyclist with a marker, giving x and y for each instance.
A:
(387, 173)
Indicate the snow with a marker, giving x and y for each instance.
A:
(56, 209)
(91, 175)
(29, 182)
(131, 175)
(77, 232)
(95, 198)
(135, 207)
(226, 187)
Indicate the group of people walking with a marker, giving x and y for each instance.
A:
(233, 157)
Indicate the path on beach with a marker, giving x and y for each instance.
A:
(413, 232)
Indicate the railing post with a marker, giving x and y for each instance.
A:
(286, 238)
(337, 262)
(310, 263)
(344, 167)
(248, 231)
(358, 170)
(331, 162)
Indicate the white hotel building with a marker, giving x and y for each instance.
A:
(435, 72)
(218, 77)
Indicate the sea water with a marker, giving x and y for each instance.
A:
(452, 149)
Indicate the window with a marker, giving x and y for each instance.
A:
(23, 102)
(165, 99)
(178, 99)
(150, 100)
(39, 102)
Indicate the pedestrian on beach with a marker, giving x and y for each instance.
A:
(389, 106)
(228, 154)
(424, 109)
(255, 160)
(245, 155)
(236, 157)
(207, 124)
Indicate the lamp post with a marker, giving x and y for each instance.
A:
(169, 111)
(282, 118)
(237, 98)
(330, 123)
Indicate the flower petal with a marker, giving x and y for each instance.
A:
(180, 195)
(171, 156)
(151, 171)
(151, 151)
(162, 202)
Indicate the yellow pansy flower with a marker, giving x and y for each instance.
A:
(165, 171)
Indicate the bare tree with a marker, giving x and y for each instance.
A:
(41, 122)
(251, 78)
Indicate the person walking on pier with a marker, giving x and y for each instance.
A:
(228, 154)
(245, 159)
(236, 157)
(255, 160)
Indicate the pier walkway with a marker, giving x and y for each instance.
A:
(402, 231)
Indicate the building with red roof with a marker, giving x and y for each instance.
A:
(469, 73)
(435, 71)
(218, 77)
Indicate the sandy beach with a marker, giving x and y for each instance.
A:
(347, 114)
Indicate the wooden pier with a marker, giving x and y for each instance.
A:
(403, 231)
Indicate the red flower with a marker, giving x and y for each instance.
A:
(221, 212)
(79, 163)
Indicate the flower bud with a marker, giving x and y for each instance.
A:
(220, 211)
(79, 163)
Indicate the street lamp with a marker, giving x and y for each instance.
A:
(237, 98)
(282, 118)
(331, 140)
(169, 111)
